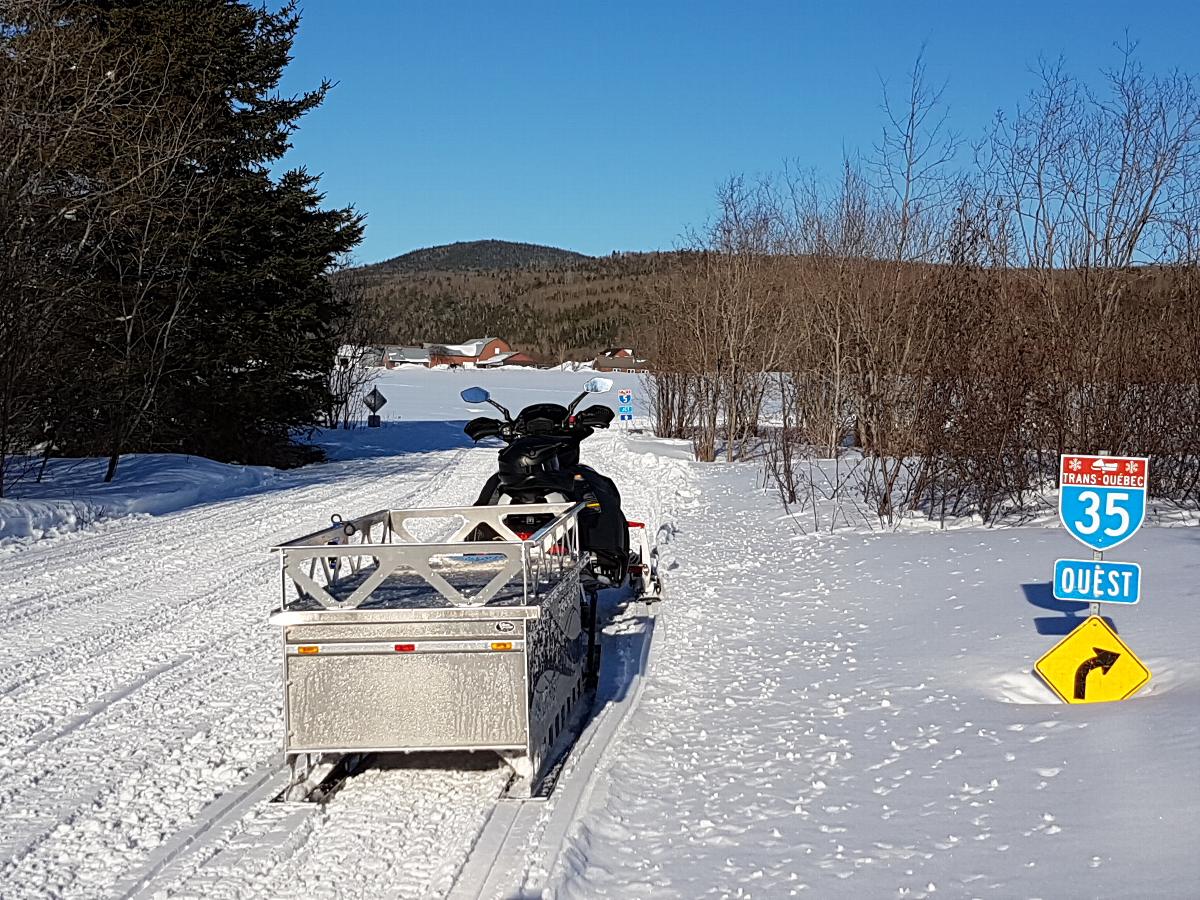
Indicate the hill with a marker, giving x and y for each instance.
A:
(469, 256)
(570, 308)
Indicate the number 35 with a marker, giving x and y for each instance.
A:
(1111, 508)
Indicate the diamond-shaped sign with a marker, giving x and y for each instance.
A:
(374, 401)
(1092, 665)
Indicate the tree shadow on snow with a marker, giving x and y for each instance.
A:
(1041, 595)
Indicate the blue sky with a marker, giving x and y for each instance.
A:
(607, 126)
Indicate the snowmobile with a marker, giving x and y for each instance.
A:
(540, 464)
(478, 630)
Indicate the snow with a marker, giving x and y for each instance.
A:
(72, 494)
(833, 715)
(855, 716)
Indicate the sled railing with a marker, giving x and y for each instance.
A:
(379, 559)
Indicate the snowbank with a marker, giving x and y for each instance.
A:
(856, 715)
(425, 415)
(73, 495)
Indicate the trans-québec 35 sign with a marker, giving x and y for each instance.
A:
(1102, 499)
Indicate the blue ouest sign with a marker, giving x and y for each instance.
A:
(1097, 581)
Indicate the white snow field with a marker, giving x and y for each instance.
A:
(833, 716)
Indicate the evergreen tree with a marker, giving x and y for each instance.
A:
(234, 340)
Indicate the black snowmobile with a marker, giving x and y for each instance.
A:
(540, 464)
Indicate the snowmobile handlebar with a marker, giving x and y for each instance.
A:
(575, 427)
(483, 427)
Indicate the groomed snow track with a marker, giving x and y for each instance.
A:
(141, 743)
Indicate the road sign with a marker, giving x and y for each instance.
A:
(1097, 581)
(1102, 499)
(374, 401)
(1092, 665)
(625, 404)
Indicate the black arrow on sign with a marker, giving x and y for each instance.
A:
(1103, 659)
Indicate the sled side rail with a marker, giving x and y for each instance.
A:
(375, 547)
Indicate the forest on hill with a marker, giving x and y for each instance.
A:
(569, 310)
(471, 255)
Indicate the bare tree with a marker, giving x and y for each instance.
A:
(61, 90)
(359, 326)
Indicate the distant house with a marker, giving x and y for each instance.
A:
(402, 356)
(469, 353)
(486, 352)
(354, 355)
(619, 359)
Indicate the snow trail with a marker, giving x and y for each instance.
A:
(140, 697)
(142, 679)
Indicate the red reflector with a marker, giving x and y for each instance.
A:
(405, 648)
(633, 524)
(524, 535)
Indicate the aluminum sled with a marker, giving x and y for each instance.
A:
(392, 643)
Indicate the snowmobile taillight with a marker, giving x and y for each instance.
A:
(501, 645)
(405, 648)
(633, 524)
(524, 535)
(308, 648)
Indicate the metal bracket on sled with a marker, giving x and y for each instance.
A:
(315, 777)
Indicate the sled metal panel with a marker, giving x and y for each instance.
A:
(498, 629)
(385, 616)
(406, 701)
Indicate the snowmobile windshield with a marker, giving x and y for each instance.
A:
(542, 418)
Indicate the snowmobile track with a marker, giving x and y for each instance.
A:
(519, 846)
(124, 618)
(213, 819)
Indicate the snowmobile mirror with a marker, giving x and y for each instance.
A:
(475, 395)
(599, 386)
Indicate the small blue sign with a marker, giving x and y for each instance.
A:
(626, 418)
(625, 410)
(1097, 581)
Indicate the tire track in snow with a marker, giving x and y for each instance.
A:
(70, 794)
(106, 813)
(129, 606)
(400, 828)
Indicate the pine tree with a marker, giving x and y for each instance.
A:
(238, 368)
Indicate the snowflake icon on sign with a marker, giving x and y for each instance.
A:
(1131, 467)
(1075, 465)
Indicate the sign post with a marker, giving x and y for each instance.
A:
(1102, 503)
(625, 405)
(374, 401)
